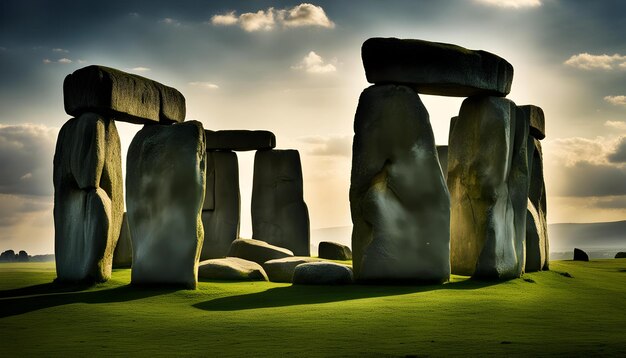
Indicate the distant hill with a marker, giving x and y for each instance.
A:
(598, 239)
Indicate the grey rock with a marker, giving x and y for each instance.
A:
(257, 251)
(232, 269)
(398, 198)
(334, 251)
(436, 68)
(536, 119)
(121, 96)
(165, 181)
(442, 154)
(240, 140)
(537, 242)
(88, 198)
(488, 182)
(221, 222)
(281, 270)
(322, 273)
(123, 254)
(580, 255)
(279, 213)
(620, 255)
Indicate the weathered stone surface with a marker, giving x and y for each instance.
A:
(221, 223)
(536, 120)
(279, 213)
(281, 270)
(580, 255)
(537, 244)
(620, 255)
(123, 254)
(322, 273)
(442, 154)
(231, 268)
(257, 251)
(88, 198)
(165, 181)
(240, 140)
(121, 96)
(488, 182)
(398, 198)
(334, 251)
(436, 68)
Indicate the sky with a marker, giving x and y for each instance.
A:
(295, 69)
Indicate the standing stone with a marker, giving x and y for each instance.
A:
(536, 120)
(122, 96)
(222, 204)
(436, 68)
(398, 198)
(279, 214)
(537, 244)
(488, 182)
(123, 254)
(165, 181)
(240, 140)
(88, 198)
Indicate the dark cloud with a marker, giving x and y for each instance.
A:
(26, 153)
(619, 155)
(585, 179)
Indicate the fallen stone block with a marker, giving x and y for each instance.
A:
(281, 270)
(322, 273)
(580, 255)
(334, 251)
(121, 96)
(436, 68)
(232, 269)
(257, 251)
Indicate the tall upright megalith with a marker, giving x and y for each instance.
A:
(279, 214)
(165, 188)
(222, 204)
(398, 197)
(487, 178)
(88, 198)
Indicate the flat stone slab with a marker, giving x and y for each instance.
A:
(257, 250)
(334, 251)
(436, 68)
(536, 119)
(240, 140)
(122, 96)
(232, 269)
(281, 270)
(322, 273)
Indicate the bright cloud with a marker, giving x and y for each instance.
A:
(46, 61)
(141, 69)
(314, 63)
(335, 145)
(265, 20)
(170, 21)
(65, 60)
(616, 125)
(616, 100)
(206, 85)
(515, 4)
(60, 50)
(586, 61)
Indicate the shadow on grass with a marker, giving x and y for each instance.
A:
(33, 298)
(307, 295)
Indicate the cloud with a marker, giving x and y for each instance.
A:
(170, 21)
(64, 60)
(516, 4)
(305, 15)
(616, 100)
(314, 63)
(60, 50)
(301, 15)
(46, 61)
(141, 69)
(586, 61)
(616, 124)
(227, 19)
(336, 145)
(26, 153)
(589, 179)
(206, 85)
(26, 223)
(619, 154)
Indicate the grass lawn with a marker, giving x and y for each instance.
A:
(544, 313)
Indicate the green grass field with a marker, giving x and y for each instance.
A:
(545, 313)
